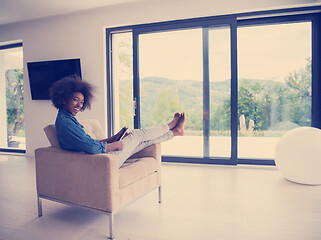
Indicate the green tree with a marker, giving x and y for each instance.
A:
(269, 103)
(15, 101)
(166, 104)
(126, 104)
(299, 95)
(195, 119)
(123, 78)
(254, 103)
(280, 102)
(220, 119)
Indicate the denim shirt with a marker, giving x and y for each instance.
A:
(72, 136)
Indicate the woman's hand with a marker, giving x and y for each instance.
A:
(113, 138)
(114, 146)
(127, 133)
(120, 133)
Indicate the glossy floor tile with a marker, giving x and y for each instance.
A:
(199, 202)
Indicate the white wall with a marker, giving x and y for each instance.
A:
(82, 35)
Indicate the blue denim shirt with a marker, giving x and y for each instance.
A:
(72, 136)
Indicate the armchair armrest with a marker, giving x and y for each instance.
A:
(79, 178)
(152, 151)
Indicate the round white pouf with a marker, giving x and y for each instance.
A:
(298, 155)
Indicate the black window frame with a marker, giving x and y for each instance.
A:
(4, 47)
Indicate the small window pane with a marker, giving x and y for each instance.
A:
(12, 135)
(220, 91)
(122, 53)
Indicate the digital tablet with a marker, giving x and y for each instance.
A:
(122, 135)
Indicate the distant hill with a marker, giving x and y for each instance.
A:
(190, 92)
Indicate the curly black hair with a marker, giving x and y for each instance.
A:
(62, 90)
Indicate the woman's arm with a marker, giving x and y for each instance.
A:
(71, 136)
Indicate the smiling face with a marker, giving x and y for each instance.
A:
(75, 103)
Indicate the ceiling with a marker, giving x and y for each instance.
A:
(12, 11)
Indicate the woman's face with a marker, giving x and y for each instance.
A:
(75, 103)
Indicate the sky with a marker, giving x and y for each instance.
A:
(264, 52)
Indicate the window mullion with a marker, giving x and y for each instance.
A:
(136, 82)
(206, 94)
(234, 92)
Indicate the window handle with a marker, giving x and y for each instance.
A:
(134, 106)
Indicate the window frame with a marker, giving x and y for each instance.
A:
(5, 47)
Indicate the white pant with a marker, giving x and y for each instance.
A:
(139, 139)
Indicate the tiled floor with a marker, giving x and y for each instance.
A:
(199, 202)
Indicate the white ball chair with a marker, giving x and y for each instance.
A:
(298, 155)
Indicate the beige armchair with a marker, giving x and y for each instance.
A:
(94, 181)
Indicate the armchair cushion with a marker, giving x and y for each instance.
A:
(50, 131)
(135, 169)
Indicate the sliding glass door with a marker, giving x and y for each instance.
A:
(181, 70)
(188, 70)
(171, 80)
(274, 85)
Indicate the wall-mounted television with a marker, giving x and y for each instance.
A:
(43, 74)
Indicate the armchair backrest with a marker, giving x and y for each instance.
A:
(92, 126)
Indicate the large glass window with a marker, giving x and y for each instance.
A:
(243, 83)
(274, 90)
(12, 131)
(170, 70)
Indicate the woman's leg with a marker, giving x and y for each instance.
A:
(147, 134)
(133, 141)
(139, 139)
(167, 136)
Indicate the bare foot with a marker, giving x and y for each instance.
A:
(179, 129)
(174, 122)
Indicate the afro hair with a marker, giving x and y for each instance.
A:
(62, 90)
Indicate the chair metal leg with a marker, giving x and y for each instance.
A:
(111, 225)
(160, 194)
(39, 206)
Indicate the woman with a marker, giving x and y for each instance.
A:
(71, 95)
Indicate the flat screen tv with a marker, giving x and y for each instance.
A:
(43, 74)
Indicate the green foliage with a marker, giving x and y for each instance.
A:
(126, 104)
(254, 102)
(195, 119)
(166, 105)
(220, 118)
(15, 101)
(299, 94)
(161, 98)
(268, 103)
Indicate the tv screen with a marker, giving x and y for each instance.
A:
(43, 74)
